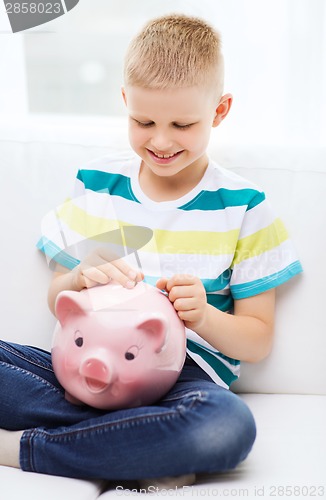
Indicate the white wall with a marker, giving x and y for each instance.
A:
(274, 51)
(13, 96)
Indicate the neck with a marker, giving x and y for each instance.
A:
(160, 188)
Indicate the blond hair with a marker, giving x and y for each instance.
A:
(175, 51)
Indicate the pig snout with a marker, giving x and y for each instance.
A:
(96, 373)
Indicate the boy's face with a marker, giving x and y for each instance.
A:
(170, 128)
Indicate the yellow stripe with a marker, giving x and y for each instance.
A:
(262, 241)
(195, 242)
(163, 242)
(87, 225)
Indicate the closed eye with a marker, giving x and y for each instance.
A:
(179, 126)
(182, 126)
(144, 124)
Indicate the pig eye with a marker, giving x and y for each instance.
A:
(78, 339)
(132, 353)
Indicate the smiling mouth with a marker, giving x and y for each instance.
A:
(160, 156)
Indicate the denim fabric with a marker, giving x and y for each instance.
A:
(197, 427)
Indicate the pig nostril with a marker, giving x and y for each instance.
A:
(100, 368)
(97, 366)
(95, 369)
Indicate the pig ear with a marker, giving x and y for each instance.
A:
(68, 303)
(156, 328)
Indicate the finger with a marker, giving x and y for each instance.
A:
(103, 256)
(96, 275)
(125, 276)
(89, 283)
(188, 316)
(181, 279)
(184, 279)
(184, 304)
(124, 268)
(133, 274)
(182, 291)
(161, 283)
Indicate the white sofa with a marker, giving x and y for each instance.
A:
(286, 392)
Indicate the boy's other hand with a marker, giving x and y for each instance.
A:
(188, 296)
(99, 268)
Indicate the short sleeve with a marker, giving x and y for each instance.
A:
(265, 256)
(79, 225)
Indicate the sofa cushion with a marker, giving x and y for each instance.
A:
(16, 485)
(40, 157)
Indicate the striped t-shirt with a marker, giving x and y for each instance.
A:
(222, 231)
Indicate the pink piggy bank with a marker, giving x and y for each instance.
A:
(117, 348)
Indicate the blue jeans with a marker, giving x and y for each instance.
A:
(197, 427)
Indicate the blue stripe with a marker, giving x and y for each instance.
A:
(55, 254)
(224, 198)
(105, 182)
(151, 280)
(245, 290)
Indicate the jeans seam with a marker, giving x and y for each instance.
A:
(30, 454)
(33, 375)
(127, 422)
(25, 358)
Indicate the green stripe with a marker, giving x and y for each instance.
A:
(220, 369)
(232, 361)
(119, 185)
(223, 198)
(219, 283)
(222, 302)
(105, 182)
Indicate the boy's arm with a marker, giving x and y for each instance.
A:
(246, 335)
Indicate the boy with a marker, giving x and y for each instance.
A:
(215, 248)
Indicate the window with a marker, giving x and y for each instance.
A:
(274, 52)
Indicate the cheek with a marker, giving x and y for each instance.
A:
(72, 359)
(137, 136)
(202, 139)
(195, 140)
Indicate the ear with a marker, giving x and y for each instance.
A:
(155, 327)
(124, 96)
(69, 303)
(222, 109)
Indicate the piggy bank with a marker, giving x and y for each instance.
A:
(117, 348)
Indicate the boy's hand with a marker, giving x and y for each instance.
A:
(188, 296)
(99, 268)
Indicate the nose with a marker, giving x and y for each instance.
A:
(96, 369)
(161, 141)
